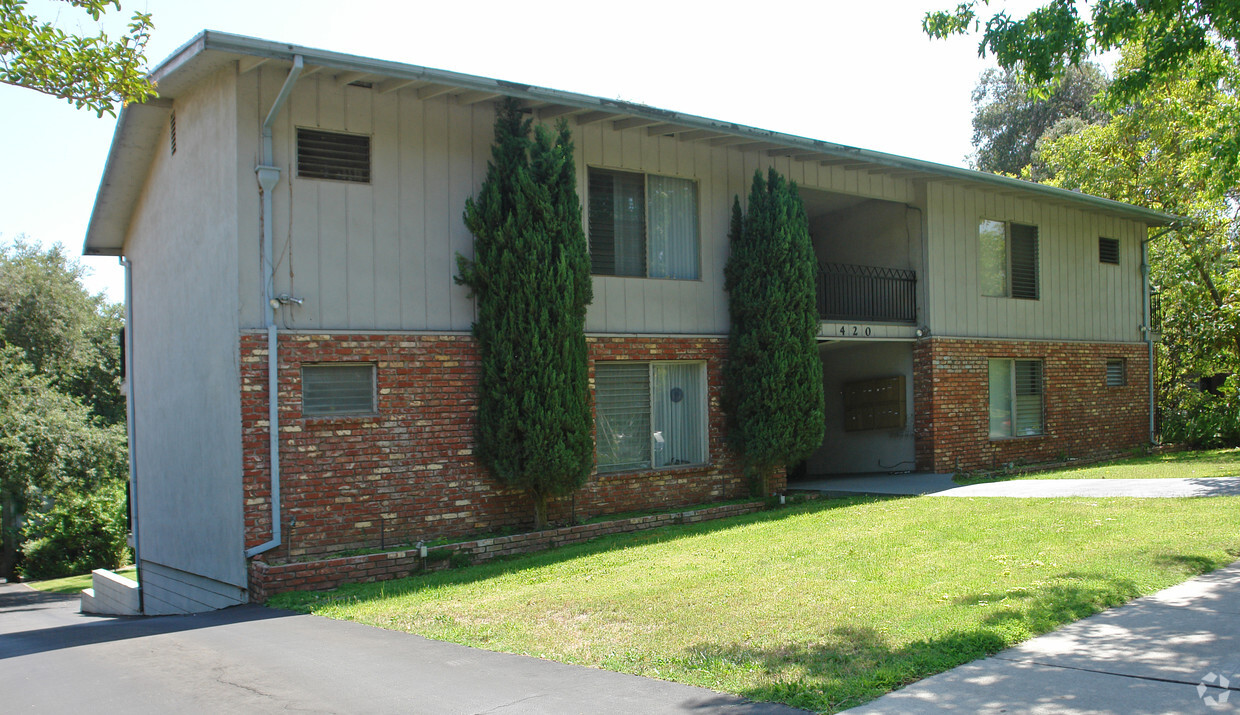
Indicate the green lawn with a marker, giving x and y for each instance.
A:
(823, 605)
(75, 584)
(1206, 463)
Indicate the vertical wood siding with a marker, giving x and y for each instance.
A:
(383, 255)
(1079, 297)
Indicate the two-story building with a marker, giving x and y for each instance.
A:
(300, 366)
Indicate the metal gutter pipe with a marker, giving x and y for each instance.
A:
(129, 426)
(268, 176)
(1147, 328)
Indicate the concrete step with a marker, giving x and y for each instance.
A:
(110, 595)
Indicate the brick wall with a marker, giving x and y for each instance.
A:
(1083, 417)
(408, 473)
(267, 580)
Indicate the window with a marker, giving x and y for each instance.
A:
(337, 389)
(643, 225)
(1015, 398)
(1008, 257)
(1117, 372)
(1108, 250)
(649, 414)
(333, 155)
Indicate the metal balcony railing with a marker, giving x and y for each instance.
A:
(1155, 312)
(867, 293)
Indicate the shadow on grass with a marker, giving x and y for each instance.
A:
(357, 592)
(853, 665)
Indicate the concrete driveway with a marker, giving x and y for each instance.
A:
(941, 485)
(252, 659)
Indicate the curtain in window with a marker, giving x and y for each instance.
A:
(617, 223)
(678, 420)
(622, 407)
(992, 258)
(673, 219)
(1000, 398)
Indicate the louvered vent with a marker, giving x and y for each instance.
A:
(172, 133)
(1108, 250)
(1024, 261)
(333, 155)
(1116, 374)
(347, 389)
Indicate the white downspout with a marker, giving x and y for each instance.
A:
(268, 176)
(129, 426)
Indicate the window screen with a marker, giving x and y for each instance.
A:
(1108, 250)
(649, 414)
(333, 155)
(343, 389)
(1015, 398)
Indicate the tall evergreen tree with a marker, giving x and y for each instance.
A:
(773, 377)
(530, 277)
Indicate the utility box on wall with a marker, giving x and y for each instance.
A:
(874, 404)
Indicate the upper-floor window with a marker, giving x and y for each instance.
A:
(643, 225)
(333, 155)
(1008, 258)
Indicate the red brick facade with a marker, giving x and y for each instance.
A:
(1083, 417)
(407, 473)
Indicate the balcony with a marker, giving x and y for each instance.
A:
(867, 293)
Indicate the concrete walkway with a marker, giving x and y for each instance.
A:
(1177, 651)
(252, 659)
(941, 485)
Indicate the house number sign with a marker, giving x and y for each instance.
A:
(845, 331)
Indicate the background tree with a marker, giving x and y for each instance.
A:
(1157, 152)
(1175, 35)
(92, 71)
(1010, 117)
(773, 377)
(62, 438)
(530, 276)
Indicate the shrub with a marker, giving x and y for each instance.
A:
(1204, 421)
(79, 533)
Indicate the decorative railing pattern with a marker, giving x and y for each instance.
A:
(867, 293)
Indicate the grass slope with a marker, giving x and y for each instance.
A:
(1172, 465)
(821, 606)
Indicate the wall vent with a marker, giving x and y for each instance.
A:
(172, 132)
(333, 155)
(1108, 250)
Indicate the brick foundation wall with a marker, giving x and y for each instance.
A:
(267, 580)
(408, 473)
(1083, 417)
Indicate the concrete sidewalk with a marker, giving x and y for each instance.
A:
(1165, 653)
(941, 485)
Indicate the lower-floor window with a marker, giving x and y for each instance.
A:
(649, 414)
(1015, 398)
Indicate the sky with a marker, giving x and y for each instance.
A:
(856, 73)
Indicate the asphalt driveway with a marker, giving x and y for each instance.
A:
(253, 659)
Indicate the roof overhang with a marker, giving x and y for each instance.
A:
(139, 125)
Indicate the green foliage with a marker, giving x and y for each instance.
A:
(92, 71)
(1179, 37)
(67, 335)
(1010, 117)
(79, 533)
(530, 276)
(1158, 152)
(773, 378)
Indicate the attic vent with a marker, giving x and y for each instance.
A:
(1108, 250)
(363, 85)
(333, 155)
(172, 132)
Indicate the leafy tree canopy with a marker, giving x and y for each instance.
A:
(1176, 37)
(1009, 118)
(92, 71)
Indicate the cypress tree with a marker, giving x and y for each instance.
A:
(530, 277)
(773, 378)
